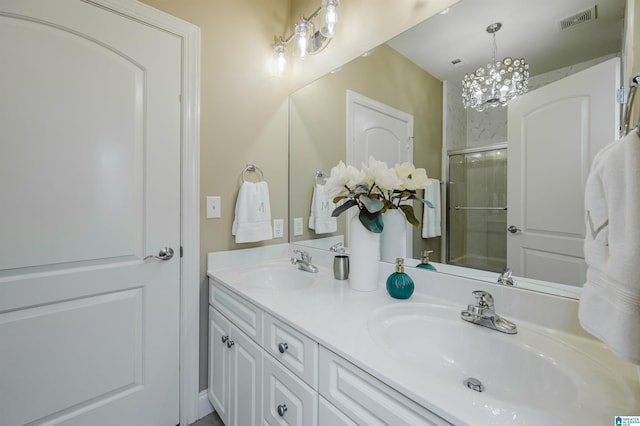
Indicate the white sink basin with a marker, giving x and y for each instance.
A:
(529, 370)
(278, 277)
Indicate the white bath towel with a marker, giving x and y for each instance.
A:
(610, 302)
(431, 226)
(252, 221)
(322, 206)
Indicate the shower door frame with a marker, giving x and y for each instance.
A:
(445, 203)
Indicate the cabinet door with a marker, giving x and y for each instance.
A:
(287, 399)
(219, 358)
(245, 380)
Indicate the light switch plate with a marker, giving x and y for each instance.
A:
(297, 226)
(213, 207)
(278, 228)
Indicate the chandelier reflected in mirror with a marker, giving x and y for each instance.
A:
(498, 82)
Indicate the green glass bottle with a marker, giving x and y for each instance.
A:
(399, 284)
(425, 261)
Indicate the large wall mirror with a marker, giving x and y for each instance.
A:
(419, 73)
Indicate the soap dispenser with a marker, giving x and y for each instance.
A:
(425, 261)
(399, 284)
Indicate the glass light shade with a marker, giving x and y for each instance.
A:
(279, 59)
(329, 17)
(302, 39)
(496, 84)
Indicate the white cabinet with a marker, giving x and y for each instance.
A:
(287, 399)
(328, 415)
(293, 349)
(218, 391)
(365, 399)
(263, 371)
(235, 373)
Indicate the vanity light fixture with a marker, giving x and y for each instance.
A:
(498, 82)
(306, 39)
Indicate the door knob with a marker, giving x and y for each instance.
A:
(165, 253)
(513, 229)
(230, 343)
(282, 347)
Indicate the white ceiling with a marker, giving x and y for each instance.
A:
(529, 30)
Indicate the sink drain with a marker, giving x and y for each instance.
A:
(474, 384)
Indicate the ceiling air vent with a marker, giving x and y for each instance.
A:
(456, 62)
(577, 19)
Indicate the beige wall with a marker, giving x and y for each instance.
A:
(318, 124)
(243, 109)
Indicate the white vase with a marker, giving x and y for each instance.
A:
(393, 239)
(364, 254)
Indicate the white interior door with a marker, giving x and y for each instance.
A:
(90, 172)
(554, 133)
(378, 130)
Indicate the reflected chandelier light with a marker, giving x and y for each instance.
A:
(498, 82)
(306, 39)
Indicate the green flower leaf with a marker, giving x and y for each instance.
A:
(415, 197)
(371, 221)
(343, 207)
(408, 212)
(372, 205)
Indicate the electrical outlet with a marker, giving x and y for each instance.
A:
(213, 207)
(297, 226)
(278, 228)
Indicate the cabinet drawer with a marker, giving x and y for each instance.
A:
(246, 316)
(287, 399)
(293, 349)
(365, 399)
(328, 415)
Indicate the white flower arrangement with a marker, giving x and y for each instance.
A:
(375, 189)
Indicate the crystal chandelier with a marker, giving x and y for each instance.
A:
(498, 82)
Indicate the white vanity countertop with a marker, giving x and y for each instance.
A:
(338, 318)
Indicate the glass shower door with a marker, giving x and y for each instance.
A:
(477, 209)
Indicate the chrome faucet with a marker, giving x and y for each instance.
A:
(304, 261)
(484, 314)
(337, 248)
(505, 277)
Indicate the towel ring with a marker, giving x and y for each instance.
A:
(320, 175)
(253, 169)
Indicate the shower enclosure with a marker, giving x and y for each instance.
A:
(477, 208)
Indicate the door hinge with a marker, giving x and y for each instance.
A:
(180, 251)
(620, 95)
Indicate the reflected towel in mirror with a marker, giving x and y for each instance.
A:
(322, 206)
(431, 217)
(252, 220)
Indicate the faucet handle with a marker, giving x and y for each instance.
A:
(337, 248)
(304, 255)
(485, 299)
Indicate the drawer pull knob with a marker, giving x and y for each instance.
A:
(282, 408)
(230, 343)
(224, 338)
(282, 347)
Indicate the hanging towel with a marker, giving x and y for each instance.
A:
(431, 217)
(610, 302)
(252, 221)
(322, 206)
